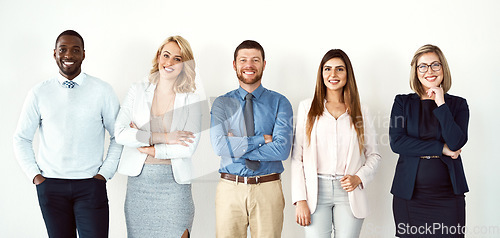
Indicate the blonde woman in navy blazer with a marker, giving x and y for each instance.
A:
(159, 125)
(428, 130)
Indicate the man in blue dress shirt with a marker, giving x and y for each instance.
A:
(251, 130)
(72, 112)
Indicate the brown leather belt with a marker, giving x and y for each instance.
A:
(430, 157)
(250, 180)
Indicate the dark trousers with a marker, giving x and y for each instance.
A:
(71, 204)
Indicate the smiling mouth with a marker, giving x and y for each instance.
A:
(249, 73)
(333, 81)
(68, 63)
(168, 69)
(431, 78)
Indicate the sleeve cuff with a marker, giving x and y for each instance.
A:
(160, 151)
(255, 142)
(144, 136)
(362, 184)
(441, 109)
(106, 175)
(33, 174)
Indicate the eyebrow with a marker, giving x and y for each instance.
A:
(171, 53)
(429, 63)
(329, 66)
(67, 46)
(252, 57)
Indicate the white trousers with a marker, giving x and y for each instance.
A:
(333, 213)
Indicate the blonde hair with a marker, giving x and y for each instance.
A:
(185, 81)
(415, 84)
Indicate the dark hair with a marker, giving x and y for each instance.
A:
(351, 97)
(70, 33)
(249, 44)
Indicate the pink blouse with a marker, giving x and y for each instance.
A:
(333, 138)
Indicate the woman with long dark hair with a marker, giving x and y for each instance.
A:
(334, 155)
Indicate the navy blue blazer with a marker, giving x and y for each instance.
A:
(453, 117)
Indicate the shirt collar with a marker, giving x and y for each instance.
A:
(78, 79)
(324, 106)
(256, 93)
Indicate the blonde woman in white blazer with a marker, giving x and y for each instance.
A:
(159, 125)
(334, 155)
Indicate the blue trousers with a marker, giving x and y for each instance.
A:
(69, 205)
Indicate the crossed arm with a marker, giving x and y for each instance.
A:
(453, 127)
(267, 147)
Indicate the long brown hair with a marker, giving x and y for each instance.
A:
(351, 98)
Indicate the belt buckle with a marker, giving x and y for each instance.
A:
(245, 180)
(427, 157)
(257, 180)
(236, 180)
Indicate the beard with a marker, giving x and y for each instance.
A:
(70, 71)
(257, 78)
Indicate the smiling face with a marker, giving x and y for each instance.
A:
(249, 66)
(170, 61)
(69, 55)
(334, 74)
(430, 78)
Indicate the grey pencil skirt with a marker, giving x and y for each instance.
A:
(157, 206)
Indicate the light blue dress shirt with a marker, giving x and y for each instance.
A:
(273, 115)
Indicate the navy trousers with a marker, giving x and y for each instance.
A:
(69, 205)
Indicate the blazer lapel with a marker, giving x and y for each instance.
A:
(142, 108)
(312, 146)
(413, 113)
(149, 94)
(179, 107)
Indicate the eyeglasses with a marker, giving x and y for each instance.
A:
(435, 66)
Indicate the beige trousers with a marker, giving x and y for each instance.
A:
(239, 205)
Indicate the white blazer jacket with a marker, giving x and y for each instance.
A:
(305, 170)
(136, 108)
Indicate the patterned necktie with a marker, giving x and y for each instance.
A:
(69, 84)
(250, 126)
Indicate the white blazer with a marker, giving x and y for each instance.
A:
(136, 108)
(305, 163)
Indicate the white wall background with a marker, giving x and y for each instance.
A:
(379, 36)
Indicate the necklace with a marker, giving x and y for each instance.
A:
(157, 109)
